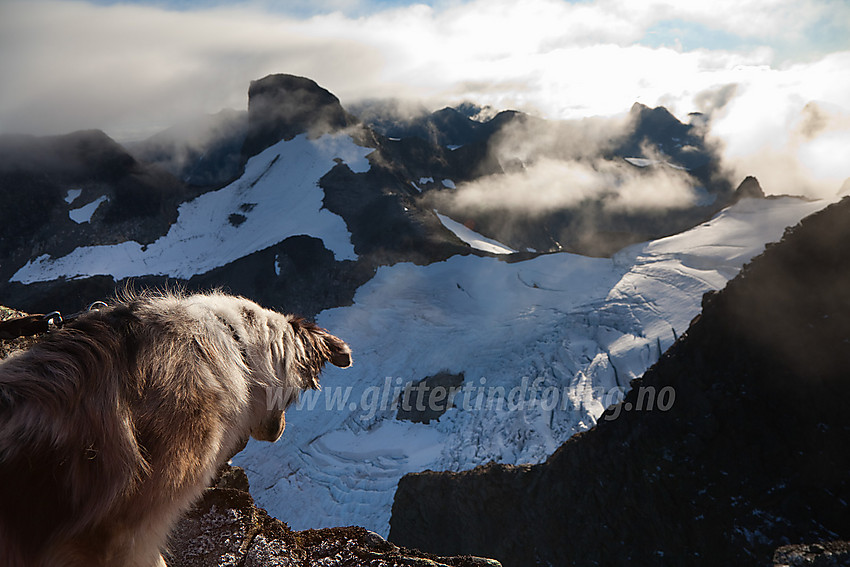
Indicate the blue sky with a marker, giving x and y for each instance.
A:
(826, 32)
(761, 68)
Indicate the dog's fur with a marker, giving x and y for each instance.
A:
(112, 426)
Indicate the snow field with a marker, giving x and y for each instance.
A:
(581, 327)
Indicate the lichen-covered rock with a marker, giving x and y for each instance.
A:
(8, 346)
(226, 529)
(218, 532)
(827, 554)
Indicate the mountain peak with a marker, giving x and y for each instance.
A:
(749, 188)
(71, 158)
(657, 117)
(282, 106)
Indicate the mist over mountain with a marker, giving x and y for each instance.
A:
(590, 186)
(203, 152)
(45, 179)
(466, 124)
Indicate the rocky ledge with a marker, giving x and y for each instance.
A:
(828, 554)
(226, 528)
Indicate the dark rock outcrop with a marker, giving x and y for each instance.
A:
(825, 554)
(428, 399)
(227, 528)
(749, 189)
(298, 275)
(751, 455)
(12, 345)
(282, 106)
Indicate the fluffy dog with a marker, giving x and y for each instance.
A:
(113, 425)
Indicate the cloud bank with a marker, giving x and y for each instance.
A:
(135, 69)
(552, 166)
(549, 185)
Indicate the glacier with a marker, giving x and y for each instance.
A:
(278, 196)
(560, 335)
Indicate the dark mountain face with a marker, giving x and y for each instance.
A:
(750, 188)
(732, 445)
(446, 127)
(43, 179)
(297, 274)
(204, 152)
(282, 106)
(660, 129)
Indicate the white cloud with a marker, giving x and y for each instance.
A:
(549, 184)
(791, 128)
(557, 165)
(131, 70)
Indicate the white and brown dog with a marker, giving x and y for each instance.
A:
(111, 427)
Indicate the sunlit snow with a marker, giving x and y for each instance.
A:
(72, 194)
(645, 162)
(472, 238)
(84, 213)
(574, 328)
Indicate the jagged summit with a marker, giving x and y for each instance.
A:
(658, 128)
(658, 116)
(448, 126)
(282, 106)
(749, 189)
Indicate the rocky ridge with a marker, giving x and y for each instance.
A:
(751, 456)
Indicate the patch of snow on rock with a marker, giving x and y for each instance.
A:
(472, 238)
(72, 195)
(84, 213)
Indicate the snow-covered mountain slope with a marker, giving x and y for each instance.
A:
(278, 196)
(541, 346)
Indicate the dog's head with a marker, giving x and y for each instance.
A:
(304, 348)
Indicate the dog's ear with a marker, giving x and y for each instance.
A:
(319, 342)
(340, 352)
